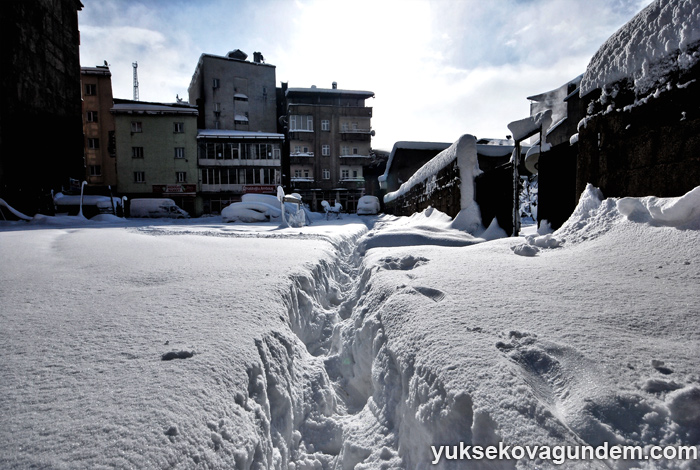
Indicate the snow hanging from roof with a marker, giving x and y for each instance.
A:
(407, 145)
(655, 42)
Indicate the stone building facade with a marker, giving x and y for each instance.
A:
(41, 144)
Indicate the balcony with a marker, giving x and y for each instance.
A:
(352, 183)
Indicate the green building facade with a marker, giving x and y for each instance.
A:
(156, 147)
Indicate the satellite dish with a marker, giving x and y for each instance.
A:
(372, 133)
(532, 159)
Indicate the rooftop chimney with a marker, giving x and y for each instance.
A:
(258, 58)
(335, 85)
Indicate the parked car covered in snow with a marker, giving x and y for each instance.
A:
(92, 204)
(368, 205)
(156, 207)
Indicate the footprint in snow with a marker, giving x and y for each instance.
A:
(433, 294)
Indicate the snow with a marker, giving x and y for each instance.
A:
(317, 347)
(408, 145)
(524, 128)
(658, 40)
(464, 152)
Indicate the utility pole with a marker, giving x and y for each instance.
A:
(136, 80)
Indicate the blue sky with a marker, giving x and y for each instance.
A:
(438, 68)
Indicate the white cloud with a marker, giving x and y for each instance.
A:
(438, 68)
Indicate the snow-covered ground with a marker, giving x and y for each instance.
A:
(353, 343)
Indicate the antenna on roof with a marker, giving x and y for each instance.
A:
(136, 80)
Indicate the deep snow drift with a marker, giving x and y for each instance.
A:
(318, 347)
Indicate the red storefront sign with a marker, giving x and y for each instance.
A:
(259, 188)
(175, 189)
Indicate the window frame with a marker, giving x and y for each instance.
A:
(137, 152)
(139, 177)
(181, 176)
(325, 125)
(178, 127)
(93, 143)
(136, 127)
(179, 153)
(326, 174)
(91, 116)
(326, 150)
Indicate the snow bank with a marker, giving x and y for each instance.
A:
(680, 211)
(429, 227)
(660, 39)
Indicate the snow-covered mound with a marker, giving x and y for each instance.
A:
(429, 227)
(661, 39)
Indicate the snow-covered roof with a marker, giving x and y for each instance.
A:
(408, 145)
(144, 107)
(658, 40)
(240, 117)
(232, 134)
(98, 70)
(334, 91)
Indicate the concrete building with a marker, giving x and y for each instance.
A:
(41, 145)
(329, 133)
(239, 148)
(98, 127)
(156, 148)
(234, 93)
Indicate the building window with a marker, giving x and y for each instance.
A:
(345, 150)
(297, 173)
(93, 143)
(215, 83)
(181, 176)
(217, 107)
(354, 150)
(344, 174)
(240, 97)
(91, 116)
(90, 89)
(344, 127)
(136, 126)
(297, 149)
(276, 152)
(136, 152)
(326, 174)
(139, 177)
(354, 126)
(95, 170)
(301, 123)
(306, 173)
(178, 127)
(325, 125)
(354, 173)
(326, 150)
(179, 152)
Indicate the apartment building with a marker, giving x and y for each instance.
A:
(156, 151)
(239, 148)
(98, 126)
(329, 132)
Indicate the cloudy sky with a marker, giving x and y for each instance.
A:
(438, 68)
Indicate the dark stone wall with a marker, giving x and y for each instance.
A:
(444, 195)
(651, 149)
(41, 142)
